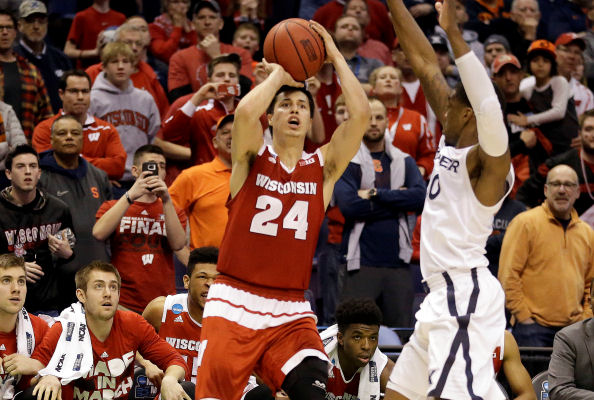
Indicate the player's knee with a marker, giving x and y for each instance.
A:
(307, 381)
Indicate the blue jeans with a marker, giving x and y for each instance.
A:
(534, 335)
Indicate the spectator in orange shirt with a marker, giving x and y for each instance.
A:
(172, 30)
(188, 67)
(143, 77)
(203, 190)
(101, 142)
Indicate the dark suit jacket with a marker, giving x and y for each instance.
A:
(571, 370)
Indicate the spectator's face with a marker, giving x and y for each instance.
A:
(443, 59)
(67, 137)
(461, 14)
(178, 7)
(34, 27)
(207, 22)
(13, 290)
(247, 39)
(387, 83)
(77, 95)
(378, 122)
(7, 33)
(222, 141)
(568, 57)
(118, 70)
(561, 191)
(359, 342)
(225, 73)
(587, 135)
(492, 51)
(140, 24)
(134, 40)
(341, 114)
(25, 173)
(358, 9)
(540, 67)
(524, 10)
(101, 297)
(198, 284)
(348, 30)
(150, 157)
(508, 80)
(400, 60)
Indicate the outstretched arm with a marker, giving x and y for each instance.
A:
(421, 56)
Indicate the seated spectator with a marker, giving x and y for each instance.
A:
(131, 110)
(247, 36)
(449, 71)
(495, 45)
(570, 375)
(81, 44)
(172, 30)
(143, 76)
(381, 29)
(548, 249)
(553, 109)
(105, 338)
(21, 332)
(369, 48)
(375, 200)
(51, 62)
(580, 159)
(407, 128)
(21, 83)
(48, 246)
(188, 67)
(178, 318)
(101, 142)
(240, 12)
(79, 184)
(202, 191)
(569, 48)
(11, 135)
(349, 36)
(144, 229)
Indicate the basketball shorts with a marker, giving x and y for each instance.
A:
(245, 330)
(450, 354)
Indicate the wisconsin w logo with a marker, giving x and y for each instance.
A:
(93, 137)
(147, 259)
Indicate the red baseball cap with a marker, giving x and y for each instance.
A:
(570, 37)
(503, 60)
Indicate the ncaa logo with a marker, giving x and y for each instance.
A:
(177, 308)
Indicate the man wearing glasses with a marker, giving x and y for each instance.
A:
(546, 263)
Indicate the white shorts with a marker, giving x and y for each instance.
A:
(450, 354)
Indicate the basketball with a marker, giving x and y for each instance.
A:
(298, 48)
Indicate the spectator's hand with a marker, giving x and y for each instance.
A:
(172, 390)
(211, 45)
(115, 183)
(332, 53)
(518, 119)
(576, 142)
(528, 321)
(59, 247)
(420, 10)
(20, 364)
(280, 395)
(446, 11)
(260, 74)
(529, 138)
(528, 27)
(364, 193)
(287, 79)
(207, 91)
(248, 8)
(33, 271)
(158, 188)
(422, 170)
(140, 187)
(313, 85)
(153, 373)
(48, 388)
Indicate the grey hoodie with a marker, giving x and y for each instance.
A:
(132, 111)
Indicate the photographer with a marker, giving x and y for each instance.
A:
(144, 229)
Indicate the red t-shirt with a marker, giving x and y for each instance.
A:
(181, 331)
(8, 345)
(325, 99)
(87, 25)
(340, 388)
(113, 360)
(141, 253)
(276, 215)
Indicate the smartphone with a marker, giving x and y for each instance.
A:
(152, 167)
(228, 89)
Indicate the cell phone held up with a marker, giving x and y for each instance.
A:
(151, 167)
(228, 90)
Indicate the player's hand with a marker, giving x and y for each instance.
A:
(20, 364)
(172, 390)
(211, 45)
(207, 91)
(518, 119)
(59, 247)
(332, 52)
(33, 271)
(48, 388)
(140, 187)
(446, 11)
(153, 373)
(286, 78)
(419, 10)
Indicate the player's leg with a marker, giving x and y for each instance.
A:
(307, 381)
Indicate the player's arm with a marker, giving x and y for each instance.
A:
(153, 314)
(421, 56)
(247, 130)
(385, 376)
(346, 139)
(490, 161)
(517, 376)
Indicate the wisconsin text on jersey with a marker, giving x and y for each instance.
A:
(286, 188)
(30, 234)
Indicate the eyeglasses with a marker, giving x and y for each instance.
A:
(567, 185)
(6, 27)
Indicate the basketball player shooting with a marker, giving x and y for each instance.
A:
(256, 317)
(449, 355)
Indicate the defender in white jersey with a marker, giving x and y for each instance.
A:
(461, 320)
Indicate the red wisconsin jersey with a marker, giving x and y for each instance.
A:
(274, 222)
(341, 389)
(497, 359)
(181, 331)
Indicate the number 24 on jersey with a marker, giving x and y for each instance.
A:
(272, 208)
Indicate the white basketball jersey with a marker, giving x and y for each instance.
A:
(455, 225)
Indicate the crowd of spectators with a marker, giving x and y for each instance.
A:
(115, 139)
